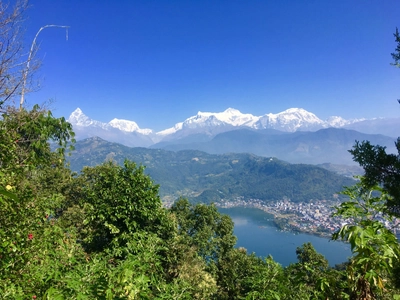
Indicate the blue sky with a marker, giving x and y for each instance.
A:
(157, 62)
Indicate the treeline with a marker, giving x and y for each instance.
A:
(104, 234)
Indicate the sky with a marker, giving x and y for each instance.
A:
(158, 62)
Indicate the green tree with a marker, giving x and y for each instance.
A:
(33, 248)
(306, 254)
(246, 276)
(375, 248)
(380, 168)
(117, 201)
(205, 228)
(236, 272)
(313, 277)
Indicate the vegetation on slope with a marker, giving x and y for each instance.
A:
(210, 178)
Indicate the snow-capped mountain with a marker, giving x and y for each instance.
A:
(230, 116)
(269, 135)
(121, 131)
(336, 121)
(172, 130)
(290, 120)
(78, 118)
(128, 126)
(206, 125)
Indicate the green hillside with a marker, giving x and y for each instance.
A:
(208, 178)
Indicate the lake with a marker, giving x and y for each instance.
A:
(256, 232)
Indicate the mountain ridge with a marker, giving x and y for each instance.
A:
(208, 124)
(298, 118)
(328, 145)
(204, 177)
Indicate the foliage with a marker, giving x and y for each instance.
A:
(396, 54)
(31, 177)
(306, 254)
(314, 277)
(380, 168)
(375, 247)
(117, 201)
(210, 232)
(25, 137)
(246, 276)
(48, 215)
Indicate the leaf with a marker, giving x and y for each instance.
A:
(8, 194)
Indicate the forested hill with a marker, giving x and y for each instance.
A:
(209, 178)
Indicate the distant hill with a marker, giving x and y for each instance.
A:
(211, 178)
(387, 126)
(345, 170)
(328, 145)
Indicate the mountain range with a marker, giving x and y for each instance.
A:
(294, 135)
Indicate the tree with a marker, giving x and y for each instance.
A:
(11, 50)
(117, 201)
(312, 275)
(33, 245)
(27, 69)
(396, 54)
(380, 167)
(209, 231)
(375, 247)
(306, 254)
(373, 200)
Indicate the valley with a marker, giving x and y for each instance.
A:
(207, 178)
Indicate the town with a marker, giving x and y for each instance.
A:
(314, 217)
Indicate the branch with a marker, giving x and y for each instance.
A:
(28, 63)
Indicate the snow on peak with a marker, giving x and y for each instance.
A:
(168, 131)
(300, 114)
(77, 111)
(290, 120)
(78, 118)
(232, 111)
(230, 116)
(336, 121)
(128, 126)
(124, 125)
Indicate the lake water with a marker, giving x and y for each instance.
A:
(256, 232)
